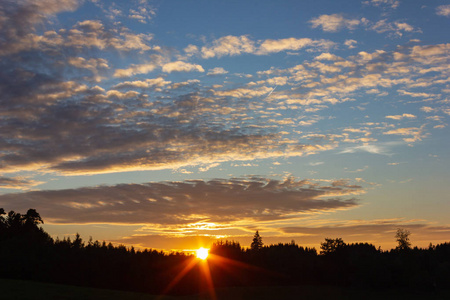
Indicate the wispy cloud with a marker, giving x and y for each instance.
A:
(400, 117)
(374, 149)
(181, 66)
(383, 3)
(19, 183)
(416, 133)
(443, 10)
(334, 22)
(217, 71)
(228, 45)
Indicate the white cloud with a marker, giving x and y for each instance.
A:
(181, 66)
(391, 3)
(135, 69)
(399, 117)
(427, 109)
(153, 82)
(350, 44)
(274, 46)
(374, 149)
(328, 56)
(217, 71)
(443, 10)
(418, 95)
(191, 50)
(244, 92)
(237, 45)
(227, 45)
(334, 22)
(395, 28)
(143, 13)
(416, 133)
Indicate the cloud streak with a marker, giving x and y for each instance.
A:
(171, 203)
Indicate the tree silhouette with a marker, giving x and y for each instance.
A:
(402, 237)
(331, 245)
(257, 242)
(2, 219)
(28, 253)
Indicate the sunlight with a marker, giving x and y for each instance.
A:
(202, 253)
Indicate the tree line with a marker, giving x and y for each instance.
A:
(28, 252)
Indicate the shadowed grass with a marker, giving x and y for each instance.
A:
(31, 290)
(320, 292)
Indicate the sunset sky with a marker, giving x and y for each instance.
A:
(171, 124)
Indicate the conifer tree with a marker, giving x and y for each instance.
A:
(257, 242)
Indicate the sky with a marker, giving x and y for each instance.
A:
(173, 124)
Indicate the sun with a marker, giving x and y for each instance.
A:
(202, 253)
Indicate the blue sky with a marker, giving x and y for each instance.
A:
(171, 124)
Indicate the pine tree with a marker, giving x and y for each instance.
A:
(257, 242)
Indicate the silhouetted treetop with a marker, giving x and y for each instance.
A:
(402, 237)
(331, 245)
(256, 242)
(29, 253)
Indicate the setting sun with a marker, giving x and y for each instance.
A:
(202, 253)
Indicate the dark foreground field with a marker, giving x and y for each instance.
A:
(29, 290)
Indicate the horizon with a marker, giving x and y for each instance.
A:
(174, 124)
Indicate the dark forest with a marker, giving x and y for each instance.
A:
(29, 253)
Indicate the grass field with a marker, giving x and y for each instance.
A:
(28, 290)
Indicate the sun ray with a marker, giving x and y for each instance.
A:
(209, 281)
(180, 276)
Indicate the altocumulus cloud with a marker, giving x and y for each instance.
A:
(66, 111)
(55, 116)
(219, 200)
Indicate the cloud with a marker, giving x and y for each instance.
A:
(147, 83)
(21, 36)
(228, 45)
(135, 69)
(181, 66)
(155, 62)
(395, 28)
(400, 117)
(273, 46)
(19, 183)
(95, 65)
(244, 92)
(56, 119)
(431, 54)
(334, 23)
(416, 133)
(380, 3)
(328, 56)
(374, 149)
(19, 18)
(350, 44)
(217, 201)
(217, 71)
(142, 13)
(443, 10)
(91, 33)
(237, 45)
(122, 130)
